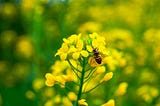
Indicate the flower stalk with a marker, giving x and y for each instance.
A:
(81, 83)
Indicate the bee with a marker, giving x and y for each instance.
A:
(97, 56)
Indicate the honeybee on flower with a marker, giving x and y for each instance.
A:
(97, 56)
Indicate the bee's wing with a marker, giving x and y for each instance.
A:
(105, 53)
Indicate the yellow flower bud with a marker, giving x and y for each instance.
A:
(76, 55)
(63, 56)
(84, 53)
(72, 49)
(107, 77)
(57, 99)
(89, 48)
(100, 70)
(111, 102)
(93, 35)
(66, 102)
(79, 45)
(24, 47)
(38, 84)
(82, 102)
(154, 92)
(72, 96)
(49, 103)
(121, 90)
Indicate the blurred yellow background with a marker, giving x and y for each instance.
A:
(31, 31)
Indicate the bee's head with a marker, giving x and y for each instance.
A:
(95, 50)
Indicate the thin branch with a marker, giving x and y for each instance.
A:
(68, 88)
(92, 88)
(73, 66)
(75, 83)
(91, 70)
(89, 79)
(74, 70)
(89, 75)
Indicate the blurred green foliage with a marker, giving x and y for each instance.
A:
(32, 30)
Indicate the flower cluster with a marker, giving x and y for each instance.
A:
(81, 64)
(77, 46)
(147, 93)
(72, 46)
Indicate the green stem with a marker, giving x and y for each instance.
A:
(81, 83)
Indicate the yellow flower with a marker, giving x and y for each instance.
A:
(8, 10)
(63, 51)
(82, 102)
(66, 102)
(93, 35)
(24, 47)
(79, 44)
(30, 95)
(70, 72)
(72, 46)
(50, 79)
(147, 93)
(57, 99)
(72, 96)
(58, 67)
(74, 38)
(72, 49)
(107, 77)
(89, 27)
(61, 79)
(49, 103)
(98, 41)
(79, 50)
(48, 92)
(113, 60)
(38, 83)
(122, 88)
(66, 78)
(111, 102)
